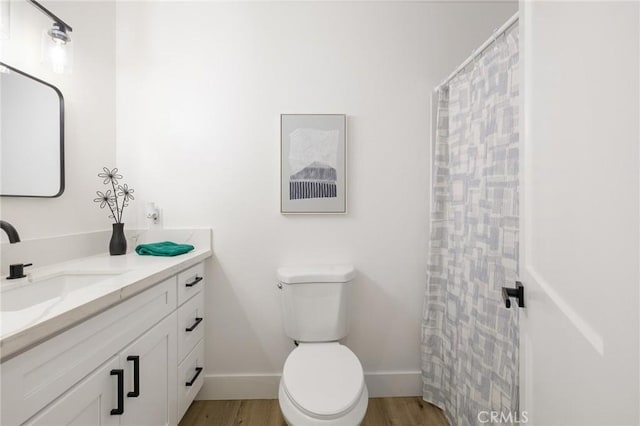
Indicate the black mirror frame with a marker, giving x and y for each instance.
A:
(61, 98)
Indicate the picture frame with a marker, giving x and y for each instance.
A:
(313, 164)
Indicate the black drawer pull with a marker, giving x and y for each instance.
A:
(195, 324)
(136, 376)
(194, 282)
(120, 373)
(198, 371)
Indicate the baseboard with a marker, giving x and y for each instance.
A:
(265, 386)
(394, 383)
(239, 386)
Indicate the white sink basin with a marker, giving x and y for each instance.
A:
(27, 293)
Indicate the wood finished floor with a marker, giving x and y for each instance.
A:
(409, 411)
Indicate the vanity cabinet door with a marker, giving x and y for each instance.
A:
(152, 398)
(88, 403)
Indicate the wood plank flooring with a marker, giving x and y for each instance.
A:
(409, 411)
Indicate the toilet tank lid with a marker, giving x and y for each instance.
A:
(316, 274)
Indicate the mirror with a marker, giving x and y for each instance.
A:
(31, 136)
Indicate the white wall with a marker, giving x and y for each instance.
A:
(199, 92)
(89, 93)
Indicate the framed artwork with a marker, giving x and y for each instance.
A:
(313, 170)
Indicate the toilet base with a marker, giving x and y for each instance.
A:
(294, 417)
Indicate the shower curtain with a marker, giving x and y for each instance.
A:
(469, 338)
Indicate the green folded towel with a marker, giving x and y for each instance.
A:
(164, 248)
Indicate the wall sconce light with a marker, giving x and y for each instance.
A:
(56, 43)
(56, 49)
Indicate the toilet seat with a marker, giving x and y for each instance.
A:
(323, 380)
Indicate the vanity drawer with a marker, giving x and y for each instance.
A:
(190, 282)
(38, 376)
(190, 324)
(190, 378)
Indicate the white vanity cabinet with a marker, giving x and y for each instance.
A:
(125, 366)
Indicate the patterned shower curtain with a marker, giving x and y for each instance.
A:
(469, 338)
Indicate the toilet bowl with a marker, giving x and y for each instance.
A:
(322, 381)
(323, 384)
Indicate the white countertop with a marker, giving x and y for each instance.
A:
(25, 328)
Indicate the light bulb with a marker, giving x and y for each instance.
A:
(58, 57)
(56, 48)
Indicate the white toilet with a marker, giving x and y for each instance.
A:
(322, 381)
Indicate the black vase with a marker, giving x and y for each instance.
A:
(118, 243)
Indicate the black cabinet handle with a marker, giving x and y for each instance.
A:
(192, 381)
(517, 292)
(120, 373)
(136, 376)
(194, 282)
(195, 324)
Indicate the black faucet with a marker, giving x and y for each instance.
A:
(11, 232)
(16, 270)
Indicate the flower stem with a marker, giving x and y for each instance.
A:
(118, 214)
(111, 208)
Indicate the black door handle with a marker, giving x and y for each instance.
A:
(517, 292)
(136, 376)
(193, 380)
(194, 282)
(195, 324)
(120, 408)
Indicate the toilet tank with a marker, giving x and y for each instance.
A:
(315, 301)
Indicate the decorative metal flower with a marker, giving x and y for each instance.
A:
(116, 200)
(110, 176)
(104, 198)
(126, 193)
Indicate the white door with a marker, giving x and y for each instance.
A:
(88, 403)
(153, 401)
(579, 213)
